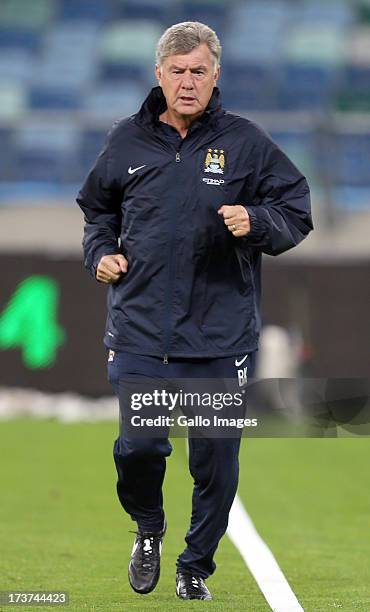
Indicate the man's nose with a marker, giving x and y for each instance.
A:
(187, 80)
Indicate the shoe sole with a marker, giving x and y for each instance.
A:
(195, 598)
(147, 590)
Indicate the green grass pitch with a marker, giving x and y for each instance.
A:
(61, 526)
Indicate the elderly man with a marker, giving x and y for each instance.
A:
(179, 207)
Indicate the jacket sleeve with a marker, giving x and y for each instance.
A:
(280, 214)
(100, 201)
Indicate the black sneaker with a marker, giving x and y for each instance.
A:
(190, 586)
(144, 566)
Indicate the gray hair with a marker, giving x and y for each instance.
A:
(182, 38)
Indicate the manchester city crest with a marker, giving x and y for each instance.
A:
(215, 161)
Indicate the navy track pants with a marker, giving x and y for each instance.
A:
(213, 462)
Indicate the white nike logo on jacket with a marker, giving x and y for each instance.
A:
(132, 170)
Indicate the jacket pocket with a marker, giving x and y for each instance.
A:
(229, 307)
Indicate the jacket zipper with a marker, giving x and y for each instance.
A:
(167, 334)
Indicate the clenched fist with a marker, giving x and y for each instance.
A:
(111, 268)
(236, 219)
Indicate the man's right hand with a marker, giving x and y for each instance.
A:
(111, 268)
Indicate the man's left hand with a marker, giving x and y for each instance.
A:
(236, 219)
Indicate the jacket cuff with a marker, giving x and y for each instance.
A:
(257, 226)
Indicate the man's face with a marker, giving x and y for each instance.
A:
(187, 81)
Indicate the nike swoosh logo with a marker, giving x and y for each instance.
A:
(132, 170)
(238, 363)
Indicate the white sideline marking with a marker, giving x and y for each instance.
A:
(260, 561)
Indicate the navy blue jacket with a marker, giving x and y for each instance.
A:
(192, 289)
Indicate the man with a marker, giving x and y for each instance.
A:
(179, 207)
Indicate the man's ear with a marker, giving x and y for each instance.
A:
(217, 73)
(158, 73)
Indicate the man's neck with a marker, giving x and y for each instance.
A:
(181, 123)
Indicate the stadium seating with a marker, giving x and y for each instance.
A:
(91, 143)
(300, 146)
(130, 41)
(248, 86)
(7, 161)
(16, 65)
(22, 14)
(69, 68)
(161, 10)
(335, 12)
(13, 101)
(46, 151)
(18, 38)
(305, 86)
(353, 94)
(358, 49)
(320, 44)
(49, 98)
(350, 158)
(255, 32)
(212, 12)
(127, 49)
(86, 9)
(114, 101)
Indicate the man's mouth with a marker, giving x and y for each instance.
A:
(187, 99)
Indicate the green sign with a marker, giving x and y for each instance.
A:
(29, 321)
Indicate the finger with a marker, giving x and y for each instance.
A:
(240, 232)
(107, 281)
(227, 211)
(238, 220)
(110, 266)
(107, 277)
(239, 229)
(116, 264)
(102, 278)
(122, 262)
(111, 263)
(232, 221)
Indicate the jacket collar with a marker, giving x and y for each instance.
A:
(155, 104)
